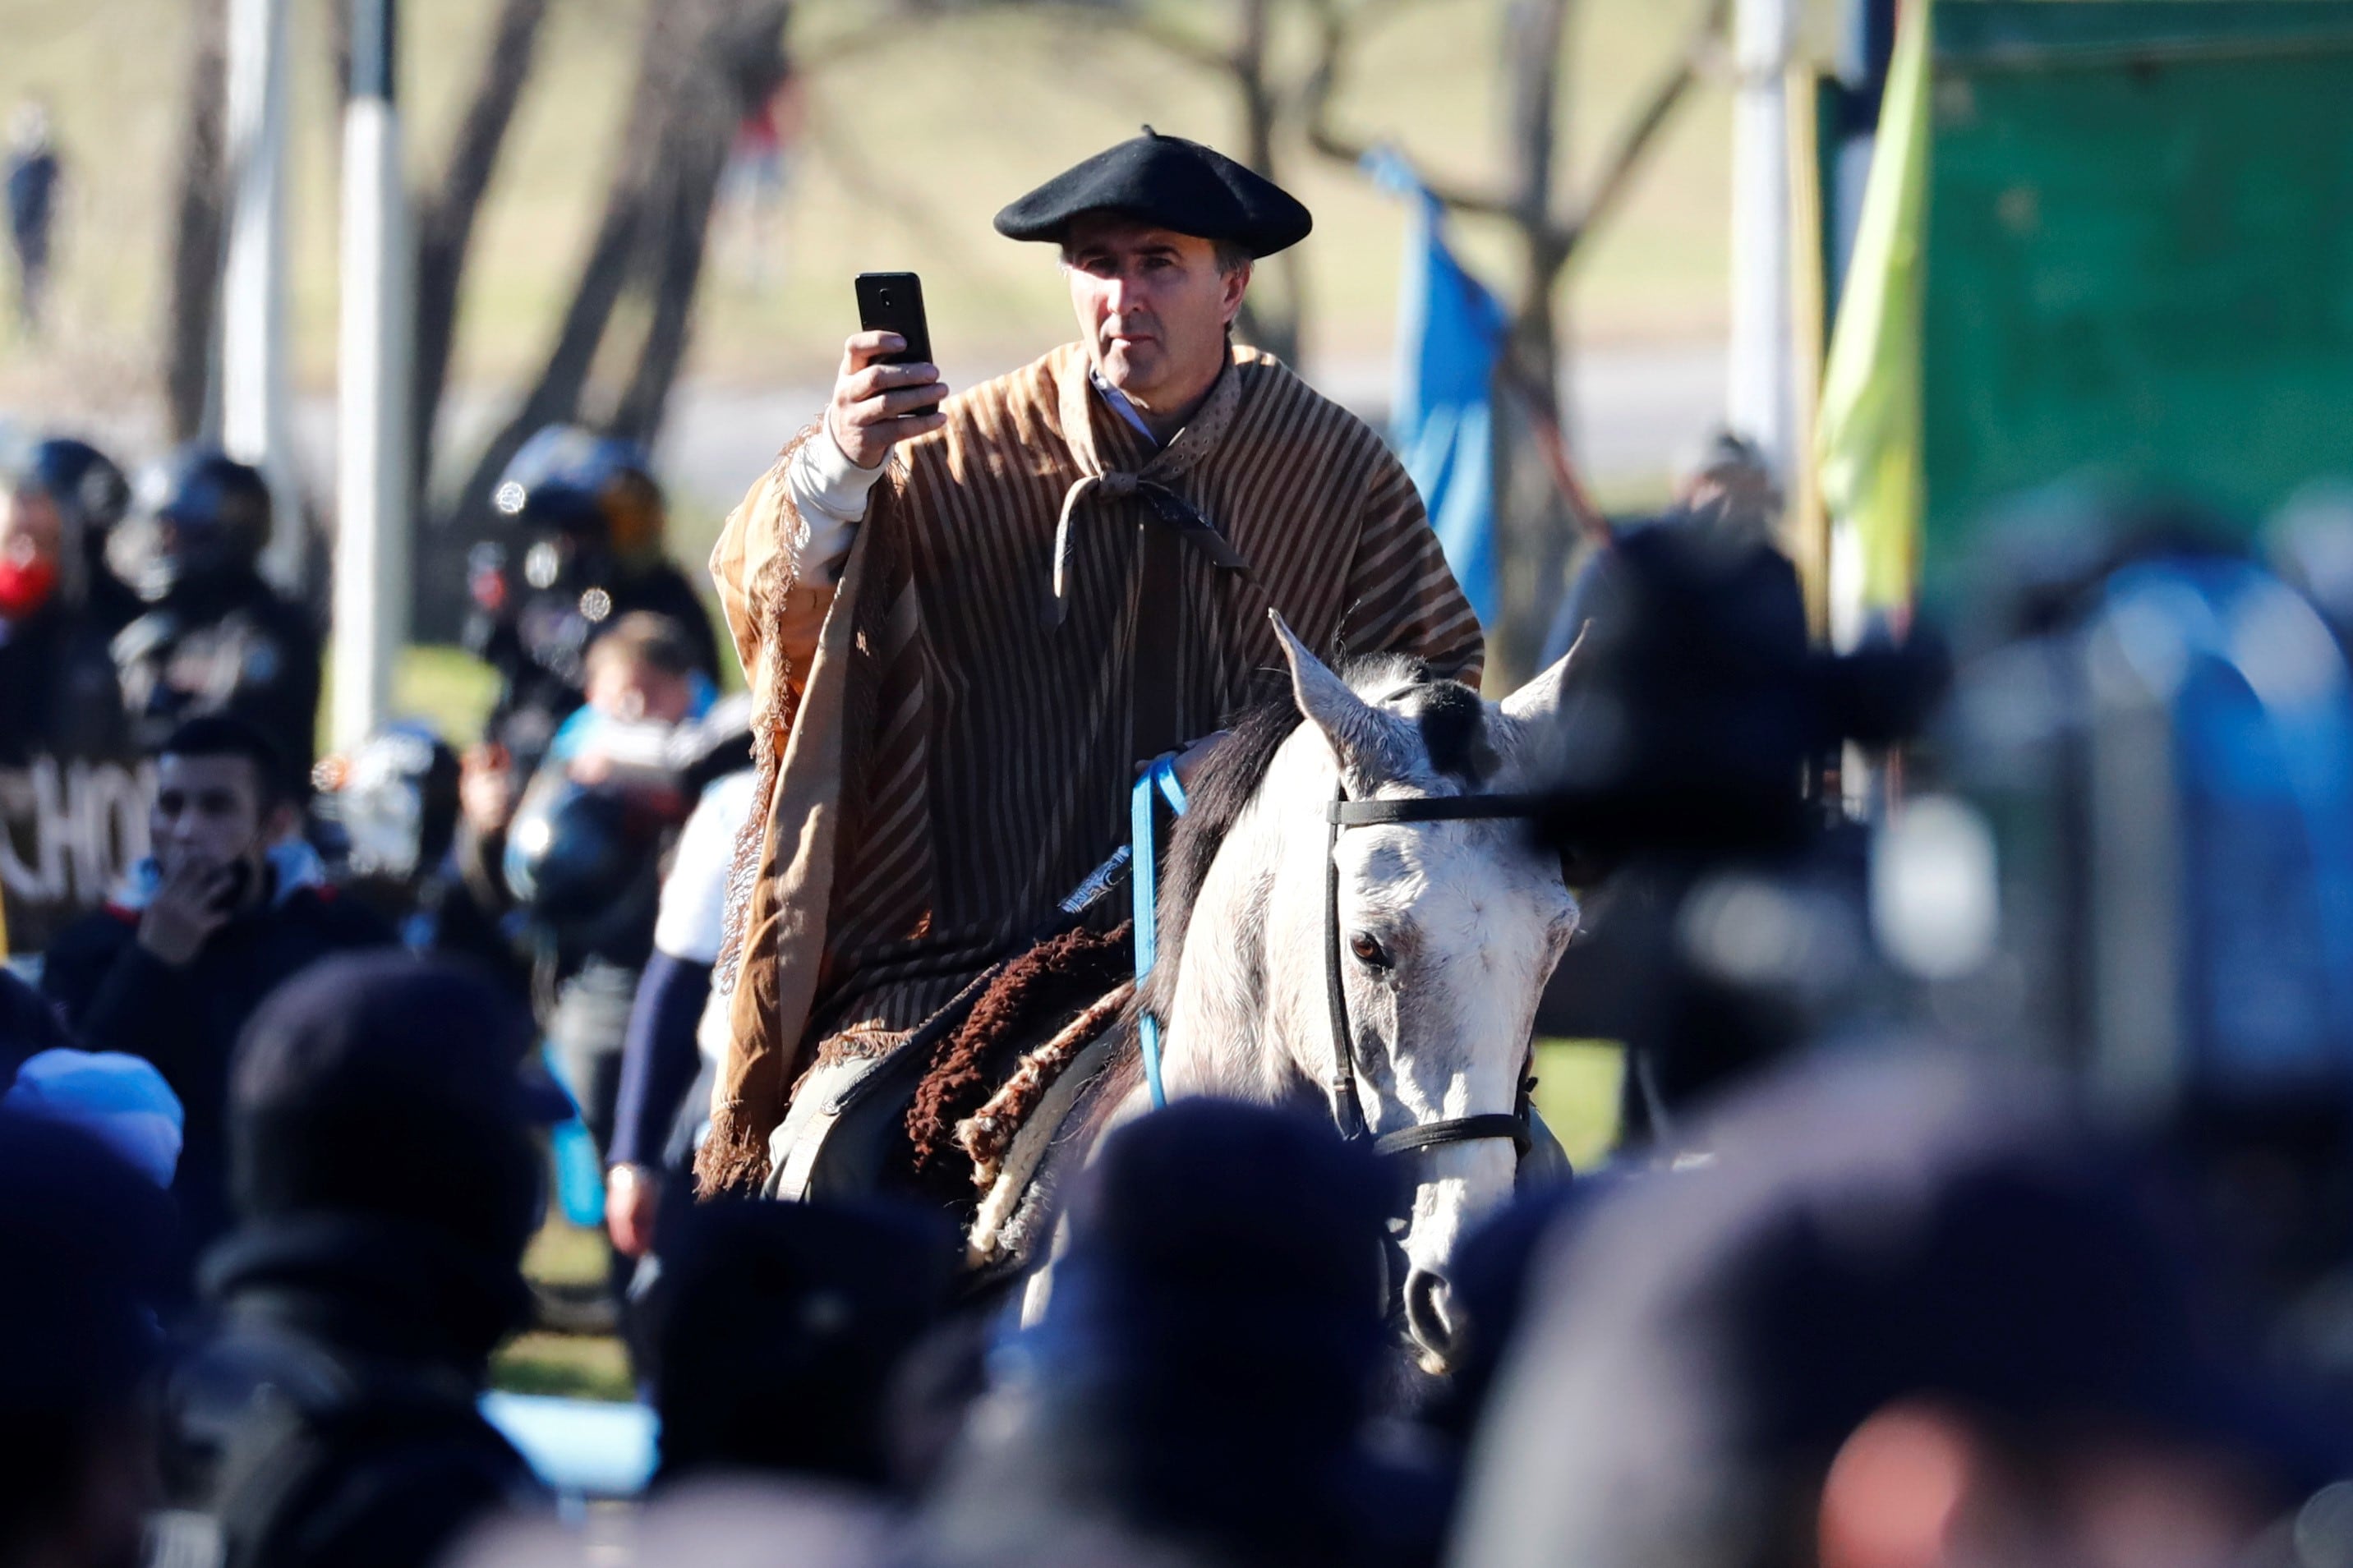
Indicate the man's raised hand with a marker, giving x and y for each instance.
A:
(185, 912)
(870, 412)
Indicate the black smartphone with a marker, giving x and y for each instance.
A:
(893, 302)
(233, 890)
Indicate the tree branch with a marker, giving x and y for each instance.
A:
(1557, 236)
(446, 215)
(1635, 139)
(1341, 26)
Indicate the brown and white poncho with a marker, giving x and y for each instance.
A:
(941, 763)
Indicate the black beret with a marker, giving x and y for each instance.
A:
(1168, 181)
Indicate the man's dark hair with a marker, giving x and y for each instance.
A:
(226, 735)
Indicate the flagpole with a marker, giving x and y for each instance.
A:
(372, 488)
(254, 280)
(1758, 400)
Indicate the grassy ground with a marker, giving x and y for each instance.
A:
(583, 1367)
(909, 148)
(1577, 1094)
(447, 686)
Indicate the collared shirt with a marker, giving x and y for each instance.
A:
(1117, 400)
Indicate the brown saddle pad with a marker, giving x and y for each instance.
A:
(1035, 998)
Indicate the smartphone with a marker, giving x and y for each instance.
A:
(893, 302)
(233, 891)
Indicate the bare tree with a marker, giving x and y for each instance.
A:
(199, 226)
(705, 63)
(738, 65)
(1236, 50)
(1274, 320)
(1536, 493)
(446, 214)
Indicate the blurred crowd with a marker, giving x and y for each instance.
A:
(1984, 1191)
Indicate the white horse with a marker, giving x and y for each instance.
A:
(1448, 927)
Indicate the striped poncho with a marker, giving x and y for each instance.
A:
(942, 761)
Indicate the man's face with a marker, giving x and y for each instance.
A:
(634, 692)
(208, 812)
(1153, 306)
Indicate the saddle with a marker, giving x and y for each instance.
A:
(939, 1120)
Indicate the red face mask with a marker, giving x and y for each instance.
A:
(24, 589)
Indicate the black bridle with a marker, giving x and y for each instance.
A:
(1347, 1107)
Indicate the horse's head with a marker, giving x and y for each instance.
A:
(1446, 932)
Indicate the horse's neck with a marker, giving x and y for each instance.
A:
(1227, 1026)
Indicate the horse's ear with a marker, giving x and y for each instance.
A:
(1356, 731)
(1539, 700)
(1529, 730)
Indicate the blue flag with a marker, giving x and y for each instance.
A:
(1450, 333)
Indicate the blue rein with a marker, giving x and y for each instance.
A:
(1144, 886)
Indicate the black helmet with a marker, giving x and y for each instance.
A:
(203, 516)
(585, 861)
(395, 797)
(589, 501)
(88, 494)
(81, 479)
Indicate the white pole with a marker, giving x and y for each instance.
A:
(1759, 401)
(254, 276)
(372, 488)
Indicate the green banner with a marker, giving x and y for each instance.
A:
(2140, 252)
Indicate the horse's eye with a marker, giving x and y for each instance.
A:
(1369, 953)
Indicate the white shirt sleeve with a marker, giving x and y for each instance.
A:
(694, 916)
(828, 491)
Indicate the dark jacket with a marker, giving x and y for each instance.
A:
(28, 1027)
(118, 996)
(225, 647)
(375, 1336)
(57, 689)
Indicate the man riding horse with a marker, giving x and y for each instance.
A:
(966, 628)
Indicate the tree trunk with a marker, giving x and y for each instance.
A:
(739, 66)
(703, 61)
(199, 224)
(445, 217)
(1272, 319)
(1532, 532)
(446, 212)
(556, 396)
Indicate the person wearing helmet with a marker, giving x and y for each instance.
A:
(585, 852)
(588, 523)
(59, 606)
(591, 522)
(388, 807)
(215, 637)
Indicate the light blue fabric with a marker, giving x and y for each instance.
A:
(122, 1099)
(1450, 333)
(580, 1449)
(1117, 400)
(1145, 886)
(2262, 704)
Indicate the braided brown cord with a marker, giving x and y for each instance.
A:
(987, 1135)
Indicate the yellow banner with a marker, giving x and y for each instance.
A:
(1869, 432)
